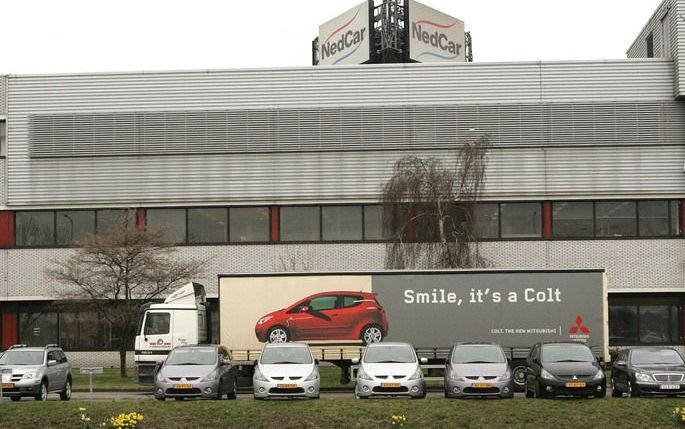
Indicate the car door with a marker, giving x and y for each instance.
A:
(315, 319)
(533, 367)
(619, 370)
(350, 315)
(53, 371)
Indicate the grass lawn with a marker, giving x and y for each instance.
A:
(351, 413)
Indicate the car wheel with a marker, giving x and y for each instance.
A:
(232, 394)
(15, 398)
(615, 393)
(278, 334)
(372, 334)
(519, 376)
(447, 395)
(65, 394)
(219, 393)
(539, 390)
(633, 393)
(43, 394)
(160, 398)
(529, 394)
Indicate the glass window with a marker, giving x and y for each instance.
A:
(38, 329)
(615, 219)
(486, 220)
(112, 219)
(323, 303)
(300, 223)
(157, 323)
(373, 224)
(655, 324)
(340, 223)
(35, 228)
(84, 331)
(207, 225)
(521, 220)
(3, 138)
(249, 224)
(675, 218)
(653, 218)
(572, 219)
(622, 324)
(351, 301)
(171, 221)
(74, 226)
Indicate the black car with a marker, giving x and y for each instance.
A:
(654, 371)
(555, 369)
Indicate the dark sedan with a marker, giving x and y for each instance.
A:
(653, 371)
(568, 369)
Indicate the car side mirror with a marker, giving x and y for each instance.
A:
(52, 362)
(305, 309)
(620, 362)
(355, 361)
(423, 361)
(316, 361)
(255, 362)
(225, 361)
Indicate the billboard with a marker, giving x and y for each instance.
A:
(434, 36)
(347, 38)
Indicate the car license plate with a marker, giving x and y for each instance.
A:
(183, 386)
(8, 385)
(670, 387)
(575, 384)
(482, 385)
(287, 386)
(390, 384)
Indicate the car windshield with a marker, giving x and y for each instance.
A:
(655, 357)
(192, 356)
(390, 354)
(566, 353)
(22, 357)
(286, 355)
(478, 354)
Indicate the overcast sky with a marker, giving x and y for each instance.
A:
(102, 35)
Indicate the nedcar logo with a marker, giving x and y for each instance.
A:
(437, 39)
(346, 40)
(580, 327)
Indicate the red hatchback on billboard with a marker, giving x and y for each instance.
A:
(326, 316)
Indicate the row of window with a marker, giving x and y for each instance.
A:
(331, 223)
(644, 323)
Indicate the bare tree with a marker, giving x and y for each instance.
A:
(114, 272)
(428, 209)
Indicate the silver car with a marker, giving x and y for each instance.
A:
(198, 371)
(478, 370)
(390, 369)
(35, 372)
(286, 370)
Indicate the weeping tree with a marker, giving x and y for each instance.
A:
(114, 272)
(429, 210)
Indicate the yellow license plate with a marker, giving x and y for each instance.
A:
(575, 384)
(8, 385)
(482, 385)
(287, 386)
(183, 386)
(390, 384)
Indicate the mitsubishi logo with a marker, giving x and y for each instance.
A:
(575, 377)
(579, 326)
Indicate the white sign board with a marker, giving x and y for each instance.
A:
(434, 36)
(346, 39)
(92, 370)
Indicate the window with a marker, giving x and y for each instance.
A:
(675, 218)
(623, 324)
(521, 220)
(35, 228)
(373, 223)
(249, 224)
(112, 219)
(653, 218)
(323, 303)
(650, 45)
(656, 324)
(486, 220)
(207, 225)
(84, 331)
(157, 323)
(665, 37)
(171, 221)
(300, 224)
(74, 226)
(351, 301)
(38, 329)
(644, 320)
(572, 219)
(615, 219)
(340, 223)
(3, 137)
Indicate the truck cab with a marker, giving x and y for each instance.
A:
(180, 320)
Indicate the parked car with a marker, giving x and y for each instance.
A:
(35, 372)
(563, 369)
(286, 370)
(197, 371)
(478, 369)
(389, 369)
(654, 371)
(326, 316)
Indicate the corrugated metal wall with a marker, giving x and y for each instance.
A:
(626, 104)
(3, 95)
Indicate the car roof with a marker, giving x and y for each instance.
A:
(564, 343)
(477, 344)
(189, 346)
(277, 345)
(31, 349)
(389, 343)
(342, 292)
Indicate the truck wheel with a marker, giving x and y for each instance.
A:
(278, 334)
(65, 394)
(372, 334)
(518, 373)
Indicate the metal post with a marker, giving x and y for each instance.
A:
(90, 376)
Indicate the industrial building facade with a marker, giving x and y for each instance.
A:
(270, 170)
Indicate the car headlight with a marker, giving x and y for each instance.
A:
(546, 375)
(29, 375)
(313, 376)
(506, 376)
(264, 319)
(161, 378)
(599, 375)
(641, 376)
(258, 376)
(416, 375)
(363, 375)
(210, 377)
(456, 377)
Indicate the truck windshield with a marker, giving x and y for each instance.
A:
(389, 354)
(16, 357)
(655, 357)
(478, 354)
(192, 356)
(286, 355)
(566, 353)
